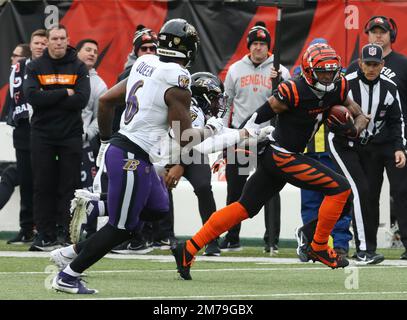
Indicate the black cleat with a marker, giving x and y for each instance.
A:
(365, 257)
(212, 249)
(230, 246)
(328, 257)
(183, 259)
(23, 237)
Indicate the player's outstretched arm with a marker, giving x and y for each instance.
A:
(111, 98)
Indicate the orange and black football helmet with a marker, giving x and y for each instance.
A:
(320, 57)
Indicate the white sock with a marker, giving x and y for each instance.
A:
(101, 207)
(69, 252)
(69, 271)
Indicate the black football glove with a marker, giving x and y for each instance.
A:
(346, 129)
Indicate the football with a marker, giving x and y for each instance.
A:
(338, 116)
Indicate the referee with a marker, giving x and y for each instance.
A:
(383, 31)
(381, 144)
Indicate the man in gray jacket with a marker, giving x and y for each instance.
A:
(88, 53)
(248, 84)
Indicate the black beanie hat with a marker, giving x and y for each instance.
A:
(143, 35)
(258, 33)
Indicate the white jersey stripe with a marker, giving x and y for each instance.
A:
(127, 195)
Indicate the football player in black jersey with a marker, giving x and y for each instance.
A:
(301, 106)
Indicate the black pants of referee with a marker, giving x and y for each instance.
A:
(236, 180)
(56, 169)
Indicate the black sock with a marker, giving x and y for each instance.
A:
(97, 246)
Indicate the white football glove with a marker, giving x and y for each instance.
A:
(252, 128)
(101, 154)
(264, 132)
(214, 124)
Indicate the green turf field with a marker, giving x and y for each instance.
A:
(249, 274)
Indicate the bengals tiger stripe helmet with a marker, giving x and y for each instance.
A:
(320, 57)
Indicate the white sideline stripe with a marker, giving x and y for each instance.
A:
(301, 294)
(170, 258)
(163, 258)
(321, 268)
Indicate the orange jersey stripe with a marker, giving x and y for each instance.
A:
(285, 87)
(280, 89)
(296, 168)
(322, 180)
(305, 176)
(282, 161)
(333, 184)
(64, 79)
(296, 96)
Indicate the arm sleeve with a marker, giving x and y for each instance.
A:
(79, 100)
(395, 123)
(230, 92)
(40, 98)
(219, 142)
(285, 73)
(93, 127)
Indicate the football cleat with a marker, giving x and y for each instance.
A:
(183, 259)
(212, 249)
(230, 246)
(328, 257)
(163, 244)
(364, 257)
(65, 283)
(59, 259)
(133, 247)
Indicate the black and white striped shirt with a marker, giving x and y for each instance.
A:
(380, 99)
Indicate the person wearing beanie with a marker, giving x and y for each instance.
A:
(248, 84)
(259, 33)
(144, 42)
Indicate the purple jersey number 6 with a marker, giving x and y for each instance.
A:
(132, 106)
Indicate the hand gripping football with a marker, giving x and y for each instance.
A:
(340, 120)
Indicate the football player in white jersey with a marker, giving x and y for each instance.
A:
(158, 96)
